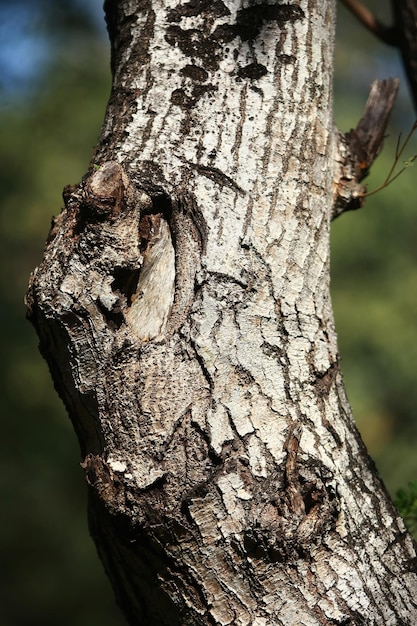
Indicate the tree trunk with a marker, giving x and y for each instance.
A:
(183, 307)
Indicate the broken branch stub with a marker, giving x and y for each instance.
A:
(358, 149)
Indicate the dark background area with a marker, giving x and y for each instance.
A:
(54, 85)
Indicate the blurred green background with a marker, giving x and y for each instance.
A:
(54, 84)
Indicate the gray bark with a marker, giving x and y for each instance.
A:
(183, 307)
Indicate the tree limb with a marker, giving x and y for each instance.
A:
(387, 34)
(405, 16)
(360, 146)
(402, 34)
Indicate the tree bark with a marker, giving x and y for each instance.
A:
(183, 307)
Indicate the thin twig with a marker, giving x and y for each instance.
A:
(387, 34)
(398, 152)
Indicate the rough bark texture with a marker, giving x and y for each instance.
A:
(183, 306)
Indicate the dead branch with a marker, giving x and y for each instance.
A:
(359, 147)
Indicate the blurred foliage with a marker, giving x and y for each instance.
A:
(50, 571)
(406, 503)
(51, 109)
(374, 266)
